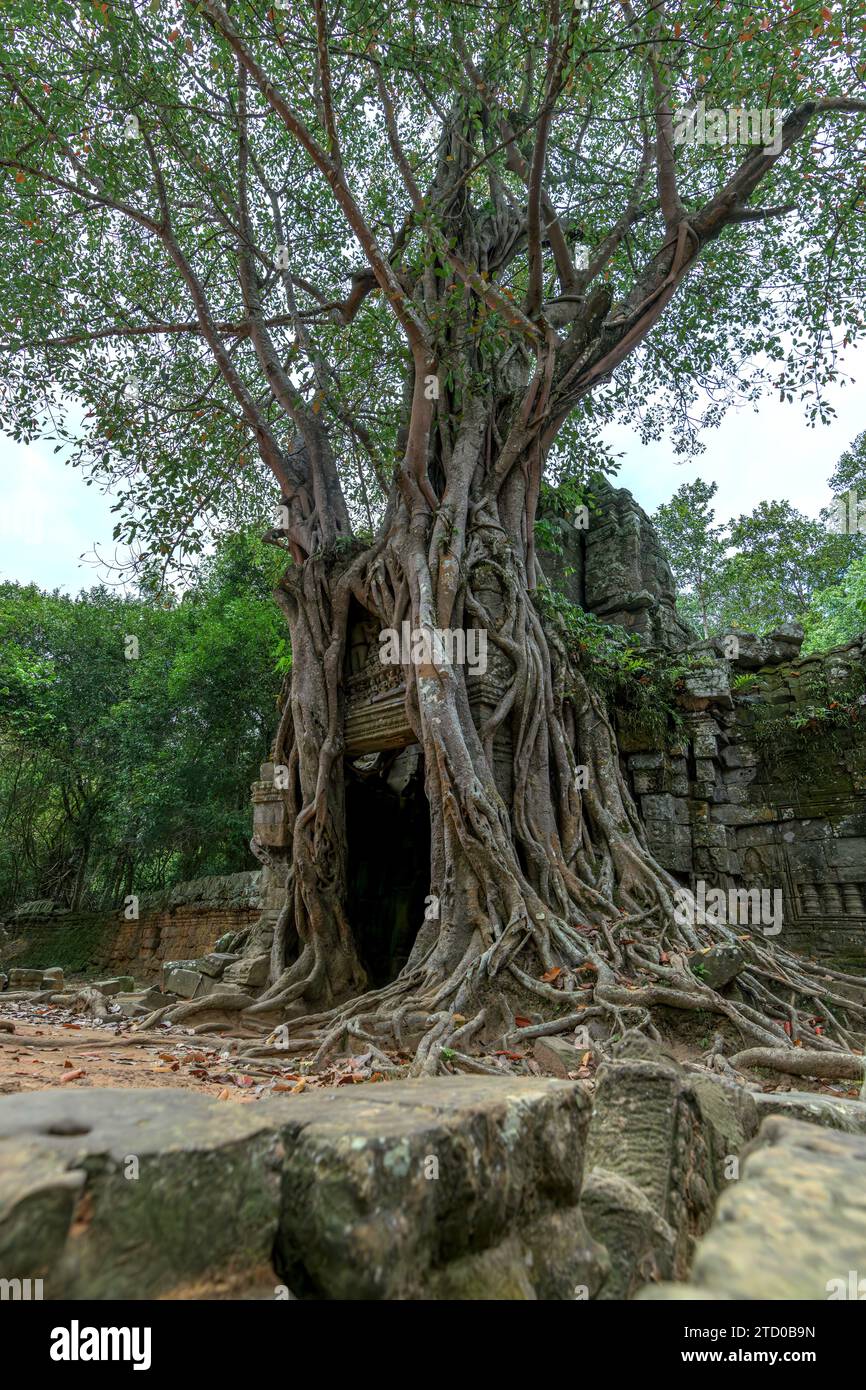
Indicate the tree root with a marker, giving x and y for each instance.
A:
(798, 1062)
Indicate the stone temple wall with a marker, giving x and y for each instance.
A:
(616, 568)
(179, 924)
(767, 790)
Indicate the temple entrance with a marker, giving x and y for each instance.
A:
(388, 830)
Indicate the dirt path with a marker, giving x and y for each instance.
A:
(46, 1048)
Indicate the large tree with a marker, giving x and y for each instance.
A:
(383, 265)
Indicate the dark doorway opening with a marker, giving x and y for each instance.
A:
(388, 832)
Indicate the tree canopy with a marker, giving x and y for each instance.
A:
(770, 566)
(220, 242)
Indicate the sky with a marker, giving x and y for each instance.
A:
(49, 517)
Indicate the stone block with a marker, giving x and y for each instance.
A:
(669, 1135)
(830, 1112)
(640, 1244)
(23, 978)
(118, 984)
(793, 1226)
(455, 1187)
(251, 971)
(133, 1005)
(207, 1194)
(182, 981)
(555, 1056)
(847, 854)
(215, 962)
(719, 965)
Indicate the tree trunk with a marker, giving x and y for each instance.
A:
(534, 872)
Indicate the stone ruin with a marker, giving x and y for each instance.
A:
(749, 796)
(452, 1188)
(762, 790)
(664, 1174)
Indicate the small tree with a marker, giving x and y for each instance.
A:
(384, 264)
(695, 548)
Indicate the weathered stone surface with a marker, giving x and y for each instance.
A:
(133, 1005)
(38, 1195)
(215, 963)
(623, 575)
(831, 1112)
(53, 976)
(206, 1196)
(251, 971)
(740, 813)
(156, 999)
(640, 1244)
(464, 1187)
(119, 984)
(794, 1226)
(708, 686)
(183, 981)
(555, 1056)
(365, 1216)
(719, 965)
(669, 1134)
(25, 979)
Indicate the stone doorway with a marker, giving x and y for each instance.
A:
(388, 832)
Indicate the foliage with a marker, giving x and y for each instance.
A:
(117, 774)
(640, 685)
(133, 191)
(781, 558)
(695, 549)
(771, 566)
(838, 612)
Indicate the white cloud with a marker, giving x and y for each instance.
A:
(48, 518)
(753, 456)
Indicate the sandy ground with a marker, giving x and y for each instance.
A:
(46, 1048)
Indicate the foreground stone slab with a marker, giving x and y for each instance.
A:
(124, 1194)
(117, 984)
(458, 1187)
(463, 1187)
(667, 1136)
(793, 1226)
(832, 1112)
